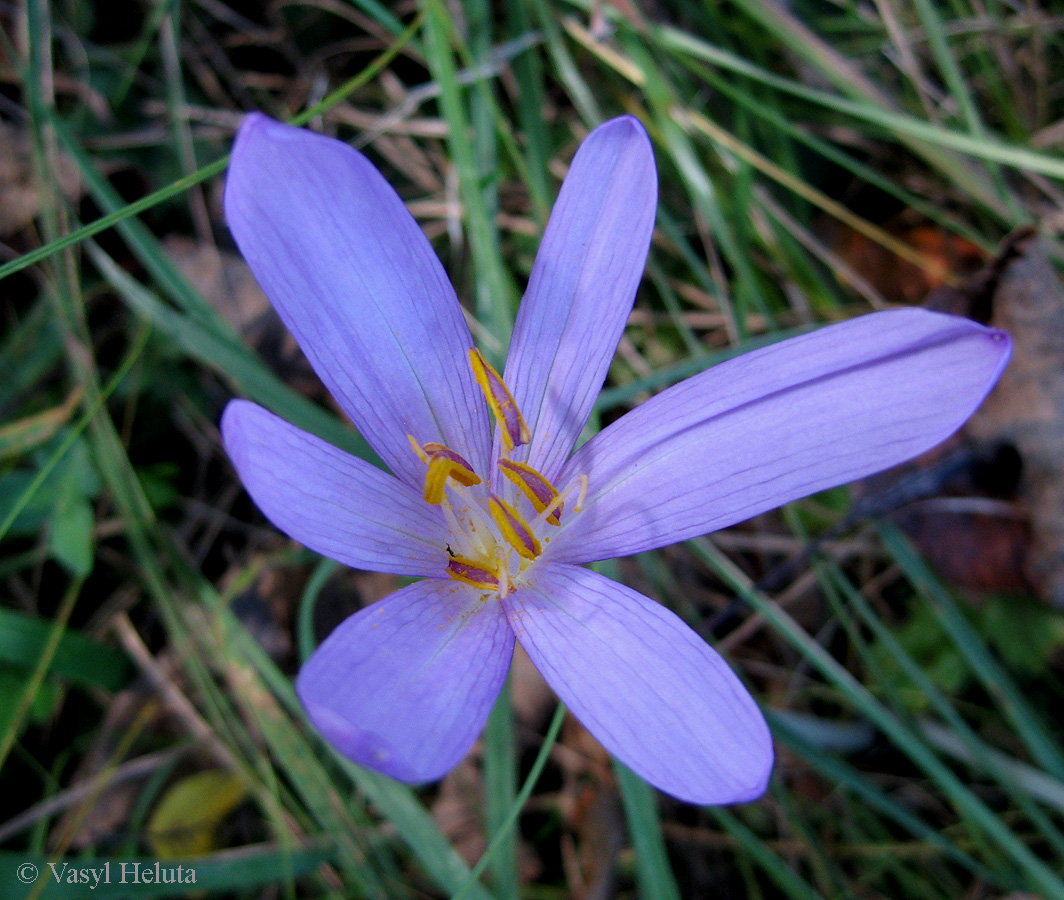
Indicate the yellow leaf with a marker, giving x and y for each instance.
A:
(189, 812)
(23, 435)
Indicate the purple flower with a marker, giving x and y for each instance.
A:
(488, 503)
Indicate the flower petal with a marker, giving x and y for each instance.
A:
(582, 287)
(335, 503)
(653, 692)
(777, 424)
(405, 685)
(357, 283)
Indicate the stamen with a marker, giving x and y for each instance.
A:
(461, 470)
(514, 529)
(580, 481)
(503, 570)
(540, 492)
(421, 454)
(436, 480)
(471, 572)
(503, 406)
(443, 463)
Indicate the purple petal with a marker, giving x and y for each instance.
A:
(357, 283)
(405, 685)
(777, 424)
(332, 502)
(582, 287)
(653, 692)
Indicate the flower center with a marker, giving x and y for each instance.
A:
(495, 539)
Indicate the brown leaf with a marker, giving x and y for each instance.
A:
(457, 810)
(532, 697)
(945, 255)
(974, 542)
(19, 199)
(957, 502)
(1027, 407)
(225, 281)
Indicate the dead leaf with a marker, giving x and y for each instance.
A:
(458, 810)
(1027, 407)
(974, 542)
(532, 697)
(958, 504)
(22, 435)
(19, 198)
(945, 255)
(186, 818)
(225, 280)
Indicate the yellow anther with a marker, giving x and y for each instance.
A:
(503, 406)
(443, 463)
(461, 471)
(514, 529)
(540, 492)
(469, 571)
(436, 480)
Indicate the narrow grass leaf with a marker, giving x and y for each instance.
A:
(500, 791)
(653, 872)
(42, 664)
(1035, 872)
(982, 664)
(395, 801)
(496, 295)
(868, 792)
(470, 888)
(122, 212)
(900, 124)
(220, 350)
(976, 748)
(780, 871)
(23, 435)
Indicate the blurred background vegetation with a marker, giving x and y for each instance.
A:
(817, 160)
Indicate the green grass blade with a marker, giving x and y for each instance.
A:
(396, 802)
(500, 789)
(755, 849)
(897, 123)
(217, 348)
(120, 212)
(652, 869)
(1035, 871)
(495, 292)
(500, 836)
(982, 664)
(865, 789)
(48, 650)
(835, 583)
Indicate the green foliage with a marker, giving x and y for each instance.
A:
(1025, 634)
(921, 747)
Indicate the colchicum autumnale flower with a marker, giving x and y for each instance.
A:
(486, 500)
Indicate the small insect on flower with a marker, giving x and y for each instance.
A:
(485, 499)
